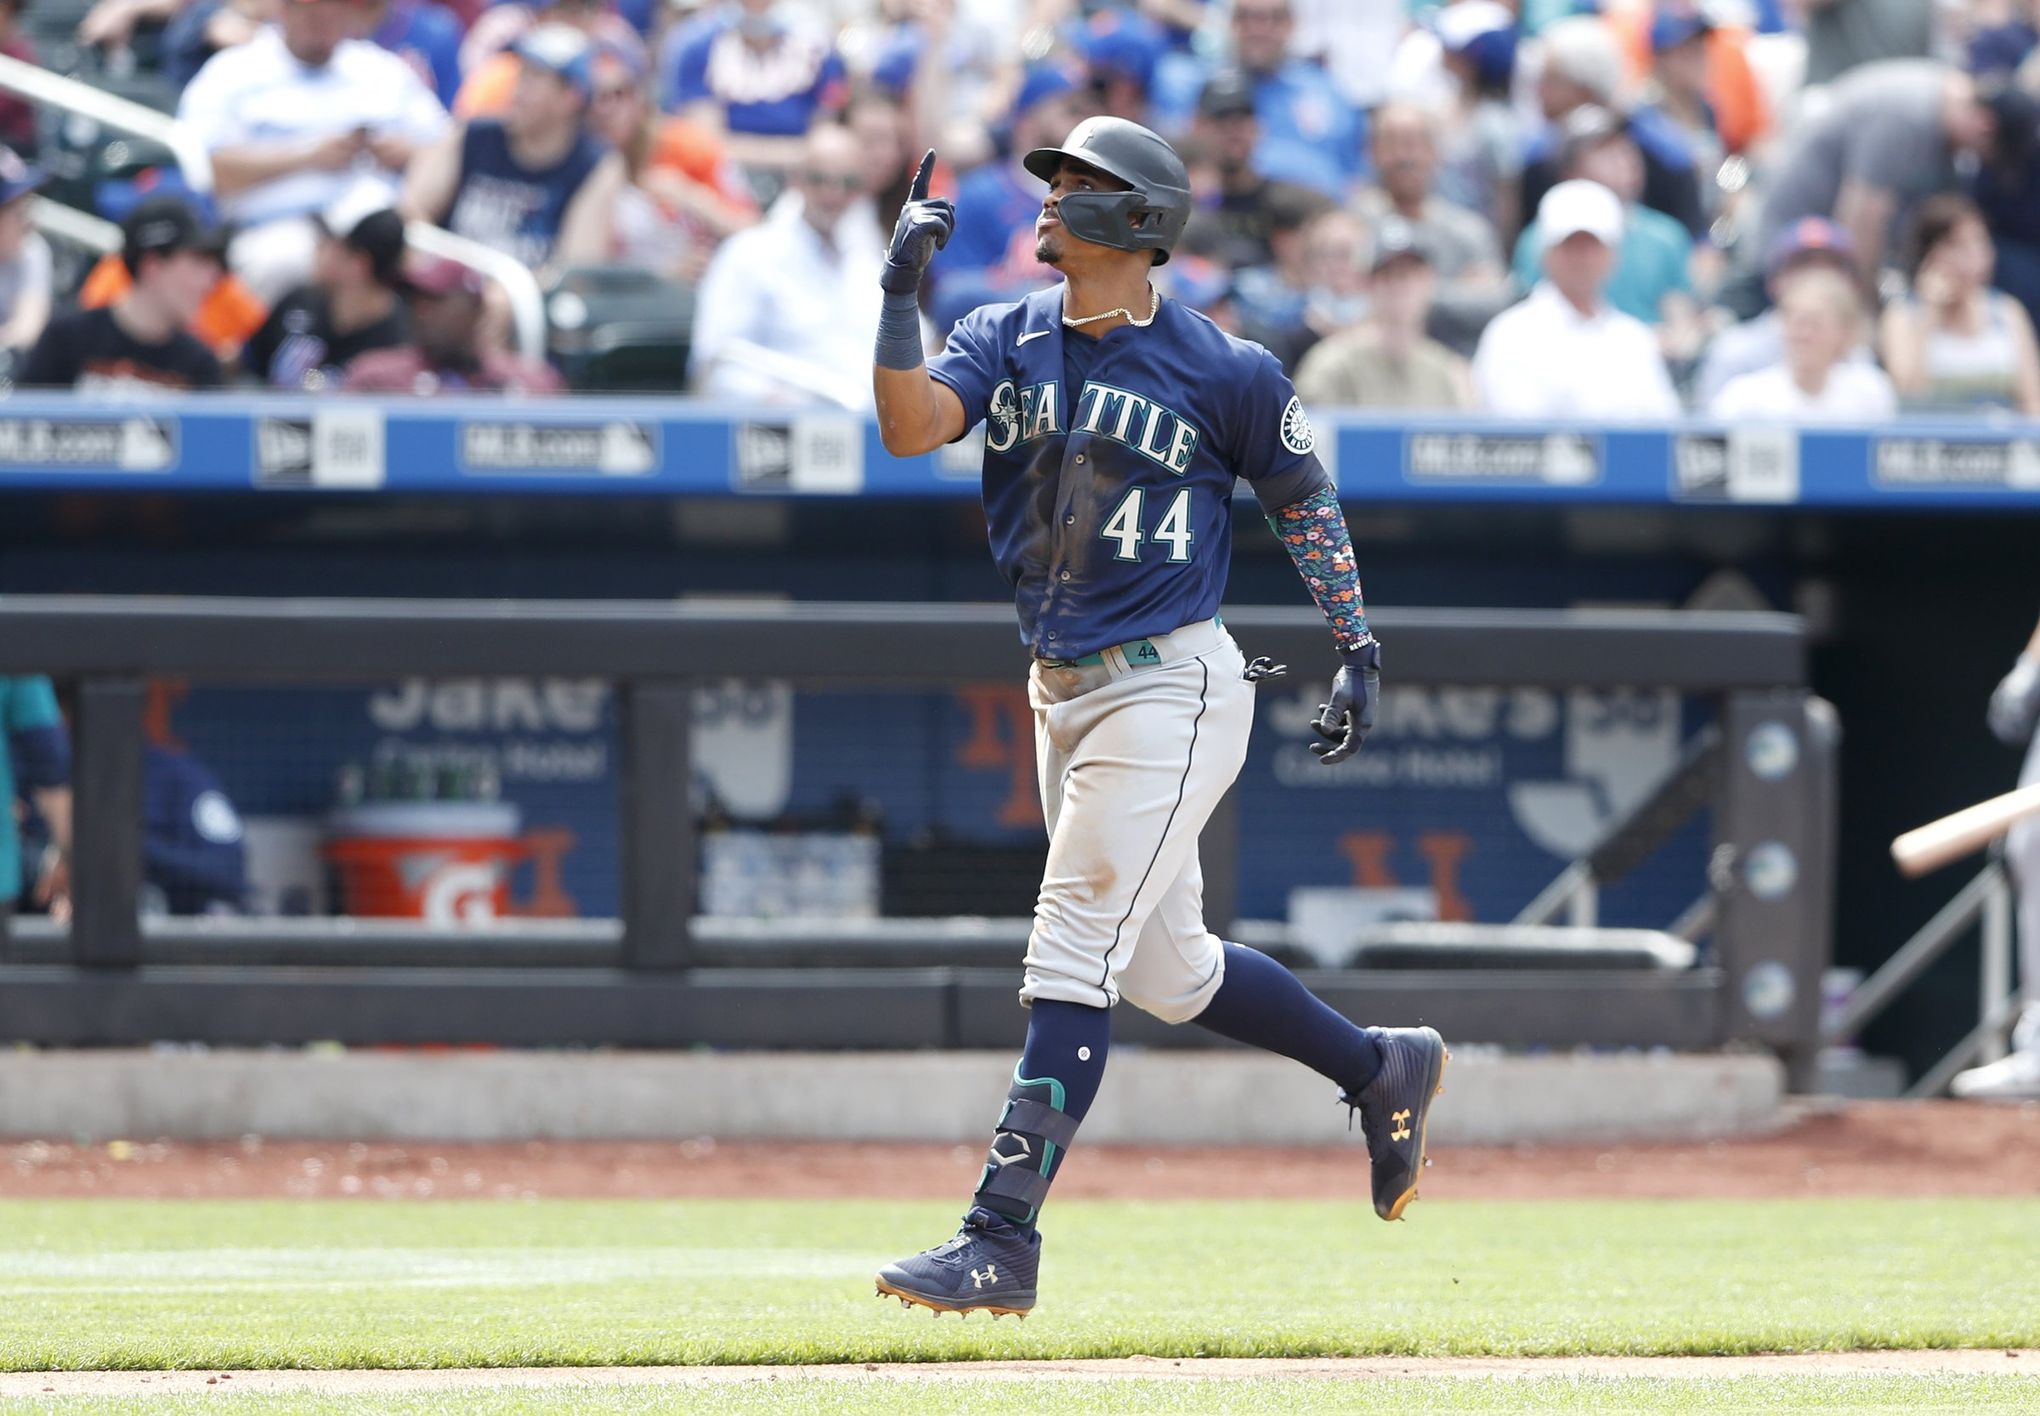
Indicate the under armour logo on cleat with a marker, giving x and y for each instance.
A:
(990, 1274)
(1402, 1125)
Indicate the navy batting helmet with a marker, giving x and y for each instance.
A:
(1150, 216)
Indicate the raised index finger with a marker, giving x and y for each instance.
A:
(919, 190)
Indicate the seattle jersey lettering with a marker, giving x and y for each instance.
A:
(1153, 430)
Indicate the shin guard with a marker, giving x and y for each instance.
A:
(1034, 1131)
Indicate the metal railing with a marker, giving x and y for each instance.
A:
(519, 285)
(1985, 902)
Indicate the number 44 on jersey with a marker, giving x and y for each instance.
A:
(1124, 526)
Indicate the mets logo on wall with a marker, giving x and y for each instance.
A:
(1296, 434)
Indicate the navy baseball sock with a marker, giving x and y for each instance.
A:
(1053, 1087)
(1264, 1004)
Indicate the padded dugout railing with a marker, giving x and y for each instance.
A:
(645, 983)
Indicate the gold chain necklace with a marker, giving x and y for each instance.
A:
(1154, 308)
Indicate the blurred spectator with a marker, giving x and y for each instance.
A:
(227, 317)
(35, 759)
(759, 72)
(1354, 41)
(1120, 50)
(1459, 246)
(1652, 279)
(446, 353)
(1268, 300)
(1565, 352)
(1694, 55)
(1481, 147)
(683, 196)
(1458, 242)
(1844, 35)
(292, 119)
(1820, 312)
(2002, 38)
(1810, 243)
(1701, 78)
(141, 342)
(1678, 87)
(940, 58)
(1887, 140)
(1582, 68)
(351, 306)
(25, 262)
(1953, 342)
(879, 124)
(536, 183)
(990, 257)
(17, 114)
(111, 24)
(1387, 361)
(196, 31)
(489, 55)
(422, 34)
(785, 313)
(1337, 247)
(193, 859)
(1232, 223)
(1309, 134)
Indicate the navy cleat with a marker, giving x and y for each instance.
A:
(989, 1267)
(1394, 1109)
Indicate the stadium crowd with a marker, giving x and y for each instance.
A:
(1801, 209)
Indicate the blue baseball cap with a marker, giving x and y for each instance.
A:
(1675, 23)
(18, 178)
(1484, 32)
(562, 51)
(1042, 82)
(898, 56)
(1121, 42)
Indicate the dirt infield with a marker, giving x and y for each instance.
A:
(339, 1383)
(1864, 1148)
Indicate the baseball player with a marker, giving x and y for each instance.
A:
(1115, 424)
(2014, 715)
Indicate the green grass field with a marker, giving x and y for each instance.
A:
(118, 1284)
(1843, 1396)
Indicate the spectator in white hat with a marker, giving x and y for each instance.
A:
(1564, 351)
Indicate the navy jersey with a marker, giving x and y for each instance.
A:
(502, 203)
(1109, 463)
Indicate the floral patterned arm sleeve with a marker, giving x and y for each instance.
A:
(1314, 533)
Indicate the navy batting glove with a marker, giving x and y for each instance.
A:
(923, 229)
(1345, 722)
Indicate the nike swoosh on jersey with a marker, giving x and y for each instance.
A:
(1032, 334)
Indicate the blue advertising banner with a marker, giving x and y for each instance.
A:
(675, 447)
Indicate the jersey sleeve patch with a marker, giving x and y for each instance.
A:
(1296, 430)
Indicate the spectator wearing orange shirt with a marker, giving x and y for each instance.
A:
(683, 194)
(1715, 74)
(228, 315)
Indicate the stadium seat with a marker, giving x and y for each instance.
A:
(621, 329)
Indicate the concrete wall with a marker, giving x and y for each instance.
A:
(1149, 1097)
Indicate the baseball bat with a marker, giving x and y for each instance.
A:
(1935, 844)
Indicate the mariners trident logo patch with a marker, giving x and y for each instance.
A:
(1296, 433)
